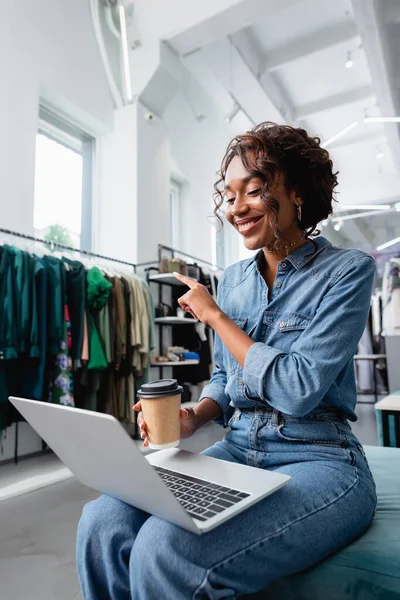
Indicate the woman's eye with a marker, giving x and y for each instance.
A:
(254, 192)
(230, 200)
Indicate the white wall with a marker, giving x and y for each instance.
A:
(47, 50)
(197, 149)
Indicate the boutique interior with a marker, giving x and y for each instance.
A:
(116, 115)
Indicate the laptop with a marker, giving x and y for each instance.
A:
(194, 491)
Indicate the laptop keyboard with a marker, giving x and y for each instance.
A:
(201, 499)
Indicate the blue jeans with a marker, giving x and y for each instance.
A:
(124, 553)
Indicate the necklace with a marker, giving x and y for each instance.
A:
(287, 247)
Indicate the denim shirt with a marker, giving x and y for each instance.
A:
(306, 331)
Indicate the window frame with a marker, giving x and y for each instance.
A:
(60, 130)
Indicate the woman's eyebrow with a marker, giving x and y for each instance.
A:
(244, 180)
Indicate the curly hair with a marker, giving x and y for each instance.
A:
(269, 150)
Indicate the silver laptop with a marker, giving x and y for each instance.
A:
(193, 491)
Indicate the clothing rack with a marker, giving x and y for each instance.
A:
(174, 251)
(52, 244)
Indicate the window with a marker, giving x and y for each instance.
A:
(63, 183)
(175, 213)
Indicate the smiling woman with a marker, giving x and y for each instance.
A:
(287, 324)
(277, 182)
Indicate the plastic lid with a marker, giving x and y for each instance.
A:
(160, 389)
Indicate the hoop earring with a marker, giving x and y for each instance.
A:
(299, 214)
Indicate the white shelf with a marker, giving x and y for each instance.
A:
(180, 363)
(166, 278)
(175, 321)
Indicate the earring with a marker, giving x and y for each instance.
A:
(299, 213)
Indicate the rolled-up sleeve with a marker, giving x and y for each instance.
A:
(216, 388)
(296, 382)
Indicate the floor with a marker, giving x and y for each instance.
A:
(37, 533)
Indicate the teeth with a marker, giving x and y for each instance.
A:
(245, 226)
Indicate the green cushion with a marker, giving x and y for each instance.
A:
(370, 567)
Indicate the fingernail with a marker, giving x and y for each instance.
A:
(185, 411)
(142, 435)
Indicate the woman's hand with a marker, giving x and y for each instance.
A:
(198, 302)
(188, 419)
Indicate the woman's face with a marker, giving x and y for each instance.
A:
(247, 213)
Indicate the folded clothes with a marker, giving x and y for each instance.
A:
(191, 356)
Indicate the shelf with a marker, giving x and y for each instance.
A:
(166, 278)
(175, 321)
(180, 363)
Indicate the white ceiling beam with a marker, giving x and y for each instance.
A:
(228, 66)
(371, 35)
(247, 47)
(368, 135)
(188, 26)
(313, 108)
(310, 44)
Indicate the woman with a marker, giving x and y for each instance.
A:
(287, 325)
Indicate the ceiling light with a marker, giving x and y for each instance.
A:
(366, 206)
(387, 244)
(125, 53)
(340, 133)
(232, 113)
(349, 61)
(382, 120)
(338, 226)
(379, 155)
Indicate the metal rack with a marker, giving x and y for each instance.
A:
(54, 245)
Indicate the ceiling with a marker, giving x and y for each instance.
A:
(288, 64)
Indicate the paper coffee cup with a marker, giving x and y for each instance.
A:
(161, 403)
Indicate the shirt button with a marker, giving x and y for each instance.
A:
(240, 381)
(278, 285)
(284, 265)
(282, 324)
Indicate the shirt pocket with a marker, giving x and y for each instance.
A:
(230, 363)
(281, 329)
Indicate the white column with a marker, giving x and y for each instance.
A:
(133, 186)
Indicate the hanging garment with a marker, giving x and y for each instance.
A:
(32, 376)
(98, 291)
(60, 381)
(55, 304)
(76, 300)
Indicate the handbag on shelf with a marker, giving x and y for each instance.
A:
(194, 271)
(163, 310)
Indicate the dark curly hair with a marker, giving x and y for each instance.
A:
(269, 150)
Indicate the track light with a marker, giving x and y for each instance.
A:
(379, 154)
(390, 243)
(340, 133)
(349, 61)
(125, 53)
(382, 120)
(366, 206)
